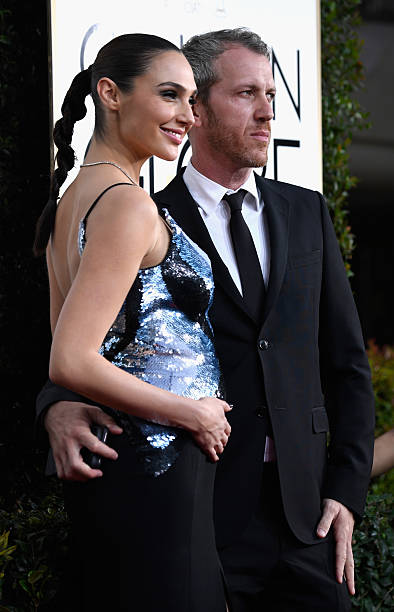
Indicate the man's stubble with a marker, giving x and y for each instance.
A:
(221, 138)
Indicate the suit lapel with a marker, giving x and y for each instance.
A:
(277, 210)
(181, 206)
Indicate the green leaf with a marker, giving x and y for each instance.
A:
(36, 575)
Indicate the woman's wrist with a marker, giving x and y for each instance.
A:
(187, 413)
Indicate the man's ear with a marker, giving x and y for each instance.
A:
(108, 93)
(197, 111)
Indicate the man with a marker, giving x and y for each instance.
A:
(289, 343)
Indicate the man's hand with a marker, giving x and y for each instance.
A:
(341, 519)
(68, 426)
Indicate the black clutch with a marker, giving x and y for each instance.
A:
(93, 459)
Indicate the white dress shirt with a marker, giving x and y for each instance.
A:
(215, 213)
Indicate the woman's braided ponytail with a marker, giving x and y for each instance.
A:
(73, 109)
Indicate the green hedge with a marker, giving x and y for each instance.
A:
(374, 538)
(373, 550)
(342, 76)
(33, 553)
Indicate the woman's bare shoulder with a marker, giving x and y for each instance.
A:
(124, 207)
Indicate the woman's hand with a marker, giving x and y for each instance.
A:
(212, 429)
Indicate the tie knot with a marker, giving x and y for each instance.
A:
(235, 200)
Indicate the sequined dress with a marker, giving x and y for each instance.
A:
(153, 506)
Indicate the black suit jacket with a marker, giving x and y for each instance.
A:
(303, 371)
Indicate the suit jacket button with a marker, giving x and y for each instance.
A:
(264, 345)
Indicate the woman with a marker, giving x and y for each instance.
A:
(129, 299)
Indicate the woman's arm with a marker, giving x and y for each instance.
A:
(383, 456)
(122, 233)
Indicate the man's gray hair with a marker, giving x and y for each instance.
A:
(202, 51)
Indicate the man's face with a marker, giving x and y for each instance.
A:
(236, 119)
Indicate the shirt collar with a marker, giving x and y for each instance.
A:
(209, 194)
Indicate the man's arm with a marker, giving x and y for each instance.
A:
(347, 388)
(346, 382)
(66, 418)
(50, 394)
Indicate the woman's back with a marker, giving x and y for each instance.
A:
(62, 249)
(63, 254)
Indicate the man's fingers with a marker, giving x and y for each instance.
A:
(102, 418)
(349, 570)
(336, 514)
(84, 473)
(70, 465)
(113, 428)
(81, 473)
(77, 470)
(92, 443)
(68, 425)
(326, 521)
(340, 557)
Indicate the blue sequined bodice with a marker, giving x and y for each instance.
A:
(163, 336)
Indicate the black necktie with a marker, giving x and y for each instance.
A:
(253, 289)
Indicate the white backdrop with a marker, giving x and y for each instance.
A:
(291, 28)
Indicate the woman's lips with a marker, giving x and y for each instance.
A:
(174, 135)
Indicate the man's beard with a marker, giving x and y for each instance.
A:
(221, 138)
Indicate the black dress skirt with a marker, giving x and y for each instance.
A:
(142, 535)
(145, 544)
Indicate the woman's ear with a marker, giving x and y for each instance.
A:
(108, 93)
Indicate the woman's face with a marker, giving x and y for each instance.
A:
(156, 116)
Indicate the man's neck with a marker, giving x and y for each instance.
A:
(232, 178)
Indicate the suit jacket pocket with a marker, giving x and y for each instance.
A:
(320, 420)
(304, 260)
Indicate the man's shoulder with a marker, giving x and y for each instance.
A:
(175, 186)
(287, 190)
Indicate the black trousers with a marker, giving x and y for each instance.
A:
(268, 570)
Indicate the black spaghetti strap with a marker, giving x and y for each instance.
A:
(101, 195)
